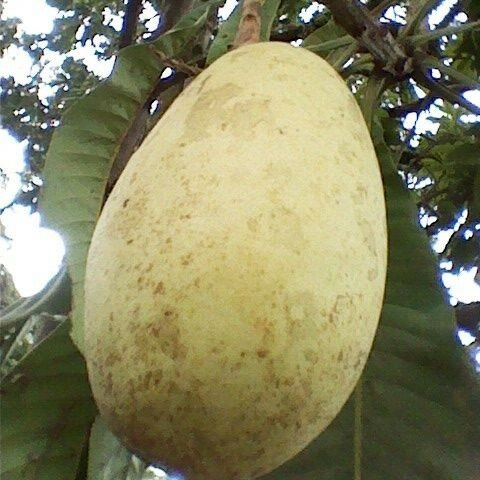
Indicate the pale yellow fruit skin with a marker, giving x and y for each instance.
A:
(235, 278)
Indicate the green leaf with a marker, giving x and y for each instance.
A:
(326, 33)
(53, 298)
(324, 48)
(225, 35)
(331, 42)
(416, 412)
(464, 155)
(269, 13)
(84, 147)
(465, 253)
(46, 410)
(108, 459)
(475, 204)
(228, 29)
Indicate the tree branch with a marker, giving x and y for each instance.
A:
(420, 104)
(416, 14)
(355, 18)
(390, 54)
(468, 318)
(449, 17)
(439, 90)
(129, 27)
(454, 75)
(380, 7)
(416, 40)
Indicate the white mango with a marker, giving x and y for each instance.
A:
(236, 275)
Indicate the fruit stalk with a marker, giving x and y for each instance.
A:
(250, 23)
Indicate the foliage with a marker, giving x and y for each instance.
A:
(46, 411)
(450, 160)
(415, 411)
(33, 108)
(7, 287)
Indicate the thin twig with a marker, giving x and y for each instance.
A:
(172, 12)
(289, 33)
(417, 12)
(419, 105)
(362, 65)
(331, 44)
(421, 38)
(358, 431)
(455, 9)
(130, 20)
(178, 65)
(339, 58)
(464, 80)
(381, 7)
(441, 91)
(391, 54)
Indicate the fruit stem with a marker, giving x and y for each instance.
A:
(357, 438)
(250, 23)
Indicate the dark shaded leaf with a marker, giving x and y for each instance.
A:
(326, 33)
(108, 459)
(475, 204)
(46, 410)
(468, 318)
(53, 298)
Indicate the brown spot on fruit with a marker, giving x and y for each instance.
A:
(311, 356)
(186, 259)
(112, 358)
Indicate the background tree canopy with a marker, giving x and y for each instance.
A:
(416, 413)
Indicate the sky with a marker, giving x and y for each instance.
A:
(35, 253)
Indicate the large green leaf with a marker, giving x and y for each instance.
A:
(46, 411)
(54, 298)
(108, 459)
(228, 29)
(326, 38)
(84, 147)
(416, 412)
